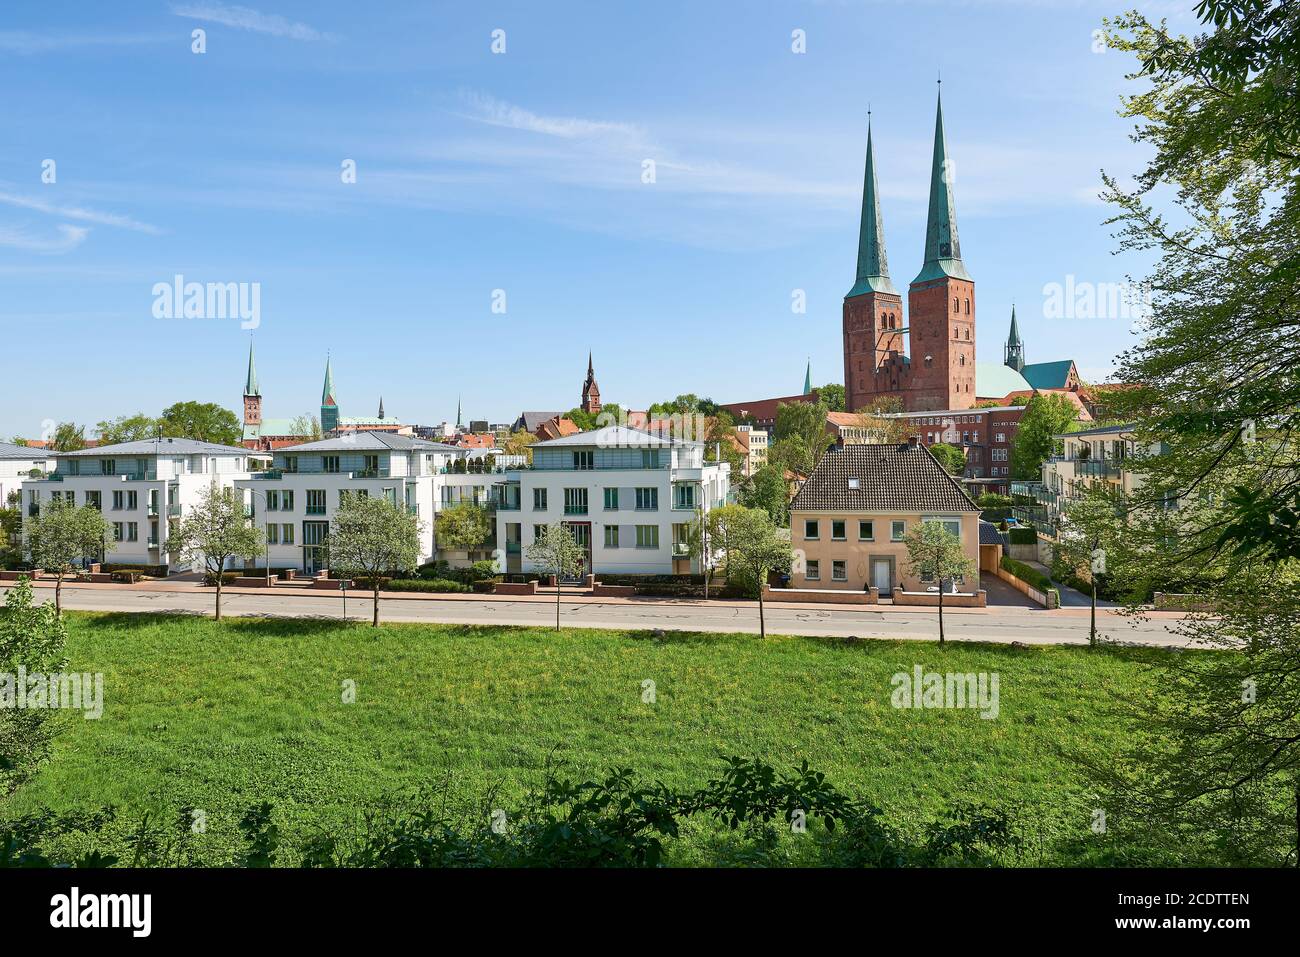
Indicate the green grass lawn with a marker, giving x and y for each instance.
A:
(223, 716)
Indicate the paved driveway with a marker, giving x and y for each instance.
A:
(1000, 593)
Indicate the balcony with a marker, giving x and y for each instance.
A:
(512, 548)
(1098, 468)
(153, 544)
(575, 510)
(173, 511)
(151, 510)
(681, 549)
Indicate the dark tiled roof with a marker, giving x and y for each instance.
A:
(989, 534)
(891, 478)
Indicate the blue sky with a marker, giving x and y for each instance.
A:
(522, 172)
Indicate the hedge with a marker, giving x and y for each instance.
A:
(154, 571)
(428, 584)
(1022, 536)
(1028, 574)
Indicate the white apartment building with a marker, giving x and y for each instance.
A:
(753, 443)
(16, 465)
(628, 496)
(141, 487)
(295, 500)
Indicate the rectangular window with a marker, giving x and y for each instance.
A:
(315, 533)
(810, 528)
(866, 532)
(331, 463)
(117, 501)
(647, 499)
(611, 536)
(897, 531)
(575, 501)
(107, 467)
(683, 495)
(538, 532)
(92, 499)
(539, 499)
(132, 532)
(813, 570)
(273, 534)
(584, 461)
(838, 533)
(647, 536)
(286, 533)
(649, 458)
(272, 501)
(117, 531)
(286, 501)
(951, 525)
(315, 501)
(132, 502)
(372, 464)
(611, 500)
(839, 572)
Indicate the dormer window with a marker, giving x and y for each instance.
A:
(854, 483)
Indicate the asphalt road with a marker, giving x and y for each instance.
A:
(1030, 626)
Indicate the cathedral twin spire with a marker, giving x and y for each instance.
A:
(942, 247)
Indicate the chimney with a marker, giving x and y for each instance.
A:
(911, 440)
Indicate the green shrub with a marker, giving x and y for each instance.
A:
(1026, 573)
(153, 571)
(1022, 536)
(428, 585)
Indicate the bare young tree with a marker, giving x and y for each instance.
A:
(217, 530)
(372, 537)
(556, 552)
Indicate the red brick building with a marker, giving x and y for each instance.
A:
(928, 361)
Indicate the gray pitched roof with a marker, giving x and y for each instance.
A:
(163, 446)
(371, 441)
(532, 421)
(615, 437)
(890, 478)
(989, 534)
(9, 451)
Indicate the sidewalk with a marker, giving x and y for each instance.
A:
(576, 596)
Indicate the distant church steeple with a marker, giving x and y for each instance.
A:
(252, 396)
(1013, 353)
(590, 391)
(329, 407)
(381, 407)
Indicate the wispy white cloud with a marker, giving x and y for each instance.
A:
(245, 18)
(488, 109)
(68, 238)
(24, 43)
(79, 213)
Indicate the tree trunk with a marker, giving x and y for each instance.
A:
(1297, 823)
(762, 625)
(374, 621)
(557, 600)
(219, 580)
(941, 611)
(58, 595)
(1092, 627)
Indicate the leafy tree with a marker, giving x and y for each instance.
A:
(1087, 528)
(68, 437)
(556, 552)
(32, 637)
(950, 457)
(1218, 366)
(1046, 414)
(878, 420)
(585, 421)
(755, 551)
(370, 537)
(807, 422)
(306, 425)
(201, 421)
(790, 454)
(720, 442)
(934, 553)
(833, 395)
(462, 527)
(18, 440)
(61, 534)
(216, 530)
(767, 489)
(519, 443)
(127, 428)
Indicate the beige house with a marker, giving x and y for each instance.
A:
(850, 518)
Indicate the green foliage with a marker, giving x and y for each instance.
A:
(215, 531)
(1046, 415)
(68, 437)
(427, 585)
(754, 551)
(370, 536)
(806, 423)
(202, 421)
(60, 534)
(462, 527)
(991, 500)
(32, 637)
(127, 428)
(1019, 535)
(768, 489)
(833, 395)
(1027, 574)
(950, 457)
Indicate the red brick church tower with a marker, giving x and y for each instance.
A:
(590, 391)
(937, 370)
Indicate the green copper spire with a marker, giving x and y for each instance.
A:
(1013, 354)
(329, 407)
(250, 383)
(873, 265)
(942, 248)
(807, 378)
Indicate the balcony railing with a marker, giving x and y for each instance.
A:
(512, 548)
(681, 549)
(173, 511)
(1098, 468)
(575, 510)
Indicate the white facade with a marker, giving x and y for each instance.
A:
(630, 496)
(16, 464)
(296, 499)
(141, 488)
